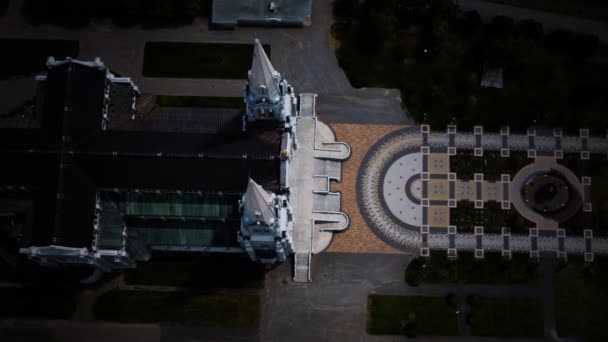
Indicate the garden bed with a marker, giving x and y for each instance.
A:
(506, 317)
(411, 316)
(493, 269)
(198, 60)
(491, 164)
(183, 308)
(492, 217)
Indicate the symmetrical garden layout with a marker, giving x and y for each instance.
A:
(480, 192)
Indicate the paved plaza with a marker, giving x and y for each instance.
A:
(406, 190)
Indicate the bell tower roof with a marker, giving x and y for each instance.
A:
(257, 204)
(263, 78)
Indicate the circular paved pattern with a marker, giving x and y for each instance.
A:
(400, 177)
(381, 174)
(547, 193)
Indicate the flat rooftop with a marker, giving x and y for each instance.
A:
(258, 12)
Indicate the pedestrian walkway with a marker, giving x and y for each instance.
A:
(550, 21)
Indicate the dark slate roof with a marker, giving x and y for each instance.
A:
(69, 157)
(233, 12)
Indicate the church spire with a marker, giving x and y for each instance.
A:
(257, 205)
(263, 78)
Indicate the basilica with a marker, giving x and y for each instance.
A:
(105, 177)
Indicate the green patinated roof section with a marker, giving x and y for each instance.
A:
(189, 204)
(168, 218)
(111, 227)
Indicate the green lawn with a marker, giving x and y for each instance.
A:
(507, 317)
(36, 303)
(29, 55)
(493, 269)
(201, 101)
(581, 294)
(592, 9)
(209, 272)
(198, 60)
(421, 316)
(183, 308)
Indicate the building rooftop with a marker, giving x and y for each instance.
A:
(76, 151)
(261, 12)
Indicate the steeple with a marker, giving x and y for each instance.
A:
(263, 78)
(258, 205)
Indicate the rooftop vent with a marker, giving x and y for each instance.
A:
(273, 7)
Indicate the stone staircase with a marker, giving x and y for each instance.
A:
(330, 221)
(301, 267)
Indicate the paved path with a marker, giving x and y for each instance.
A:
(334, 306)
(550, 21)
(548, 286)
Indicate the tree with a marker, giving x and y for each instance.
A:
(501, 26)
(530, 28)
(452, 300)
(558, 40)
(584, 46)
(376, 25)
(345, 10)
(469, 23)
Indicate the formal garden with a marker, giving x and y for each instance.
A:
(198, 60)
(436, 54)
(491, 164)
(124, 13)
(32, 55)
(411, 316)
(492, 218)
(465, 269)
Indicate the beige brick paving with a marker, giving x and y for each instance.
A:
(438, 216)
(358, 238)
(439, 163)
(465, 190)
(439, 190)
(491, 191)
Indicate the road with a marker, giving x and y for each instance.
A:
(550, 21)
